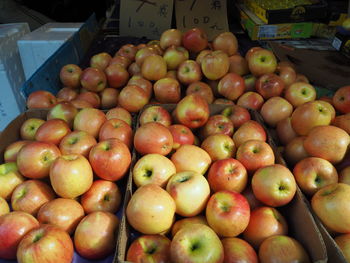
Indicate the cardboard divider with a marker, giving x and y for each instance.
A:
(301, 223)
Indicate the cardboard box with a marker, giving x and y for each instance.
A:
(300, 221)
(341, 42)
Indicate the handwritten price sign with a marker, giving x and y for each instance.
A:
(145, 18)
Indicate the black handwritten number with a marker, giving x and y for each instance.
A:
(206, 19)
(215, 27)
(141, 23)
(145, 2)
(193, 3)
(215, 5)
(152, 24)
(195, 20)
(163, 10)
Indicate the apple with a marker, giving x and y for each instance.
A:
(282, 247)
(342, 122)
(41, 99)
(110, 159)
(11, 151)
(100, 61)
(89, 120)
(117, 76)
(228, 213)
(134, 69)
(309, 115)
(202, 89)
(63, 213)
(286, 73)
(191, 158)
(253, 202)
(202, 54)
(249, 81)
(237, 114)
(264, 222)
(123, 61)
(192, 111)
(301, 78)
(77, 142)
(167, 90)
(116, 129)
(231, 86)
(269, 85)
(10, 178)
(143, 83)
(189, 71)
(181, 135)
(91, 97)
(217, 124)
(238, 250)
(226, 42)
(251, 51)
(13, 227)
(93, 79)
(170, 37)
(119, 113)
(151, 209)
(143, 53)
(344, 175)
(70, 75)
(215, 65)
(153, 169)
(64, 111)
(343, 243)
(132, 98)
(195, 40)
(196, 243)
(127, 50)
(213, 84)
(4, 207)
(71, 175)
(223, 101)
(153, 137)
(295, 151)
(149, 248)
(329, 107)
(299, 93)
(238, 65)
(102, 196)
(154, 67)
(341, 99)
(52, 131)
(274, 185)
(29, 127)
(187, 221)
(250, 130)
(109, 98)
(174, 56)
(262, 61)
(219, 146)
(66, 94)
(250, 100)
(285, 131)
(81, 104)
(276, 109)
(155, 114)
(319, 144)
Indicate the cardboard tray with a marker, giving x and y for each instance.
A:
(12, 133)
(300, 221)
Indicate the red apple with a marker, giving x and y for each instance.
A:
(123, 61)
(341, 99)
(116, 129)
(11, 151)
(117, 75)
(253, 202)
(143, 83)
(81, 104)
(132, 98)
(286, 73)
(342, 122)
(41, 99)
(251, 100)
(262, 61)
(64, 111)
(238, 65)
(215, 65)
(174, 56)
(10, 177)
(167, 90)
(189, 72)
(170, 37)
(154, 67)
(201, 89)
(237, 114)
(155, 114)
(195, 40)
(143, 53)
(251, 51)
(89, 120)
(223, 101)
(231, 86)
(100, 61)
(269, 85)
(217, 124)
(29, 127)
(128, 50)
(77, 142)
(52, 131)
(119, 113)
(70, 75)
(201, 55)
(187, 221)
(295, 151)
(238, 250)
(301, 78)
(299, 93)
(219, 146)
(226, 42)
(249, 81)
(93, 79)
(250, 130)
(285, 131)
(91, 97)
(134, 69)
(66, 94)
(276, 109)
(109, 98)
(181, 135)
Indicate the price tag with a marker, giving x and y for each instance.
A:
(145, 18)
(209, 15)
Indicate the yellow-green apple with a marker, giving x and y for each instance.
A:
(215, 65)
(100, 60)
(167, 90)
(116, 129)
(238, 65)
(143, 83)
(231, 86)
(249, 130)
(238, 250)
(153, 137)
(102, 196)
(149, 248)
(343, 242)
(254, 154)
(127, 50)
(249, 81)
(341, 99)
(67, 94)
(262, 61)
(155, 114)
(153, 169)
(251, 100)
(299, 93)
(117, 76)
(151, 209)
(223, 101)
(11, 151)
(313, 173)
(93, 79)
(227, 174)
(174, 56)
(285, 131)
(89, 120)
(329, 107)
(41, 99)
(202, 54)
(34, 159)
(274, 185)
(195, 40)
(109, 98)
(196, 243)
(154, 67)
(342, 122)
(187, 221)
(189, 72)
(143, 53)
(301, 78)
(228, 213)
(226, 42)
(191, 158)
(219, 146)
(132, 98)
(319, 144)
(30, 195)
(77, 142)
(4, 207)
(91, 97)
(237, 114)
(71, 175)
(70, 75)
(295, 151)
(10, 177)
(285, 248)
(110, 159)
(309, 115)
(123, 61)
(13, 227)
(202, 89)
(344, 175)
(64, 111)
(264, 222)
(217, 124)
(190, 191)
(52, 131)
(119, 113)
(181, 135)
(253, 202)
(29, 127)
(286, 73)
(251, 51)
(61, 212)
(269, 85)
(192, 111)
(81, 104)
(276, 109)
(170, 37)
